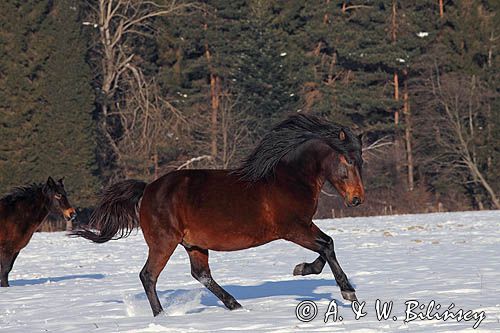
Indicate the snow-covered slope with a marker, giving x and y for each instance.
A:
(71, 285)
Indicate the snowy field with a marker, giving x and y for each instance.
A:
(71, 285)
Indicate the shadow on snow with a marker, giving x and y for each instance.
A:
(28, 282)
(299, 289)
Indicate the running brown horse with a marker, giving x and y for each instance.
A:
(273, 195)
(21, 213)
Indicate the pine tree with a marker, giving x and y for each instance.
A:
(232, 48)
(344, 73)
(257, 64)
(465, 58)
(20, 63)
(65, 132)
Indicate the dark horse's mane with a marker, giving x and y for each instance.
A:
(24, 192)
(290, 134)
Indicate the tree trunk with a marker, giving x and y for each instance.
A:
(489, 138)
(214, 101)
(397, 137)
(214, 92)
(393, 22)
(475, 171)
(398, 141)
(104, 129)
(441, 9)
(396, 79)
(326, 18)
(492, 40)
(178, 65)
(408, 130)
(396, 98)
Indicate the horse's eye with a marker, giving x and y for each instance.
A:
(58, 196)
(343, 171)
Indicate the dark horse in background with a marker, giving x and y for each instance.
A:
(273, 195)
(21, 213)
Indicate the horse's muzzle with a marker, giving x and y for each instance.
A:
(354, 202)
(70, 214)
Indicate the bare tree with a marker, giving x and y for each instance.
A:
(460, 103)
(149, 125)
(233, 136)
(120, 23)
(234, 132)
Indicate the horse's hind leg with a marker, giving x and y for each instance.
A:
(314, 267)
(201, 272)
(6, 262)
(157, 259)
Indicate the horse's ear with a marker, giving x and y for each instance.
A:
(360, 137)
(51, 183)
(342, 135)
(60, 181)
(49, 186)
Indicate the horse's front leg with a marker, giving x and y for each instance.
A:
(6, 262)
(312, 238)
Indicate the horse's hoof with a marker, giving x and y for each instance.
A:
(349, 295)
(157, 313)
(299, 269)
(234, 306)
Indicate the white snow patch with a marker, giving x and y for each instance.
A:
(60, 284)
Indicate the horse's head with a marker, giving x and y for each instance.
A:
(343, 169)
(58, 199)
(314, 150)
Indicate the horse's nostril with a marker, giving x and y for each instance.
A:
(356, 201)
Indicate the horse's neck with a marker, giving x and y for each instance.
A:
(39, 208)
(304, 171)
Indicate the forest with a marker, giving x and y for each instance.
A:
(102, 90)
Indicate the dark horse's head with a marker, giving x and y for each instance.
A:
(325, 149)
(343, 169)
(57, 199)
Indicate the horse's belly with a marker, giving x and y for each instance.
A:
(239, 242)
(229, 236)
(231, 244)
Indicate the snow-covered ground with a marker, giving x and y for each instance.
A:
(71, 285)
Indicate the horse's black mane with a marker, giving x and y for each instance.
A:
(24, 192)
(287, 136)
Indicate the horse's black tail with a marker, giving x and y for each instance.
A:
(117, 213)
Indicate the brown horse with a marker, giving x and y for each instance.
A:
(273, 196)
(21, 213)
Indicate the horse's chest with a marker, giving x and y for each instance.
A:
(16, 236)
